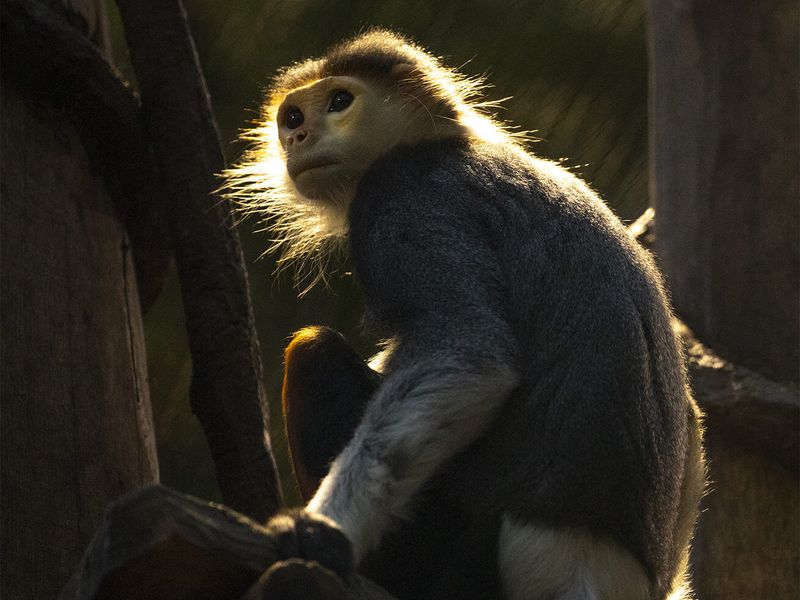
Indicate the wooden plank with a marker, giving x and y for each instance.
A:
(158, 544)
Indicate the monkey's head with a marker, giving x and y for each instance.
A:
(332, 129)
(327, 120)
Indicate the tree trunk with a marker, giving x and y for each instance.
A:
(746, 546)
(725, 157)
(77, 424)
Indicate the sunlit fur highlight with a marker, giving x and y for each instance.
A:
(307, 233)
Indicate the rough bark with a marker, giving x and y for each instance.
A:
(748, 539)
(725, 156)
(226, 394)
(208, 551)
(725, 159)
(57, 65)
(77, 426)
(759, 415)
(746, 545)
(88, 16)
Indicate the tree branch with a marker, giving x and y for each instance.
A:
(159, 544)
(227, 394)
(744, 406)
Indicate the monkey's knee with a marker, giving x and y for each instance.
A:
(325, 388)
(537, 562)
(304, 359)
(322, 371)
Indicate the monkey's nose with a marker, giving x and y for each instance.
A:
(297, 137)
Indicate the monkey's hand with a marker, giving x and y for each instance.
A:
(313, 537)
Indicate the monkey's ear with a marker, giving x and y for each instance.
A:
(326, 386)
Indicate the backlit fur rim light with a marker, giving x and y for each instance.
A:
(309, 234)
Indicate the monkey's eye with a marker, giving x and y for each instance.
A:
(340, 100)
(294, 118)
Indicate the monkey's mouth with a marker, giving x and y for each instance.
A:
(297, 167)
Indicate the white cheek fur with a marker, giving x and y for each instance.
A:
(307, 234)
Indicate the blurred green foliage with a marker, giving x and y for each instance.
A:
(576, 73)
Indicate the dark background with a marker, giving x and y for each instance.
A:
(576, 75)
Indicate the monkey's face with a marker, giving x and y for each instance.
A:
(333, 129)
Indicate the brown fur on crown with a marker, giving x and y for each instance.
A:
(386, 58)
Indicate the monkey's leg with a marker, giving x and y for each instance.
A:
(540, 562)
(325, 389)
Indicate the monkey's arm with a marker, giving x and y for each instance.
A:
(421, 416)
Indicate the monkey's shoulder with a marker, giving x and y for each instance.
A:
(468, 221)
(482, 222)
(483, 180)
(481, 194)
(424, 228)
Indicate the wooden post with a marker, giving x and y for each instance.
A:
(725, 157)
(77, 426)
(81, 240)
